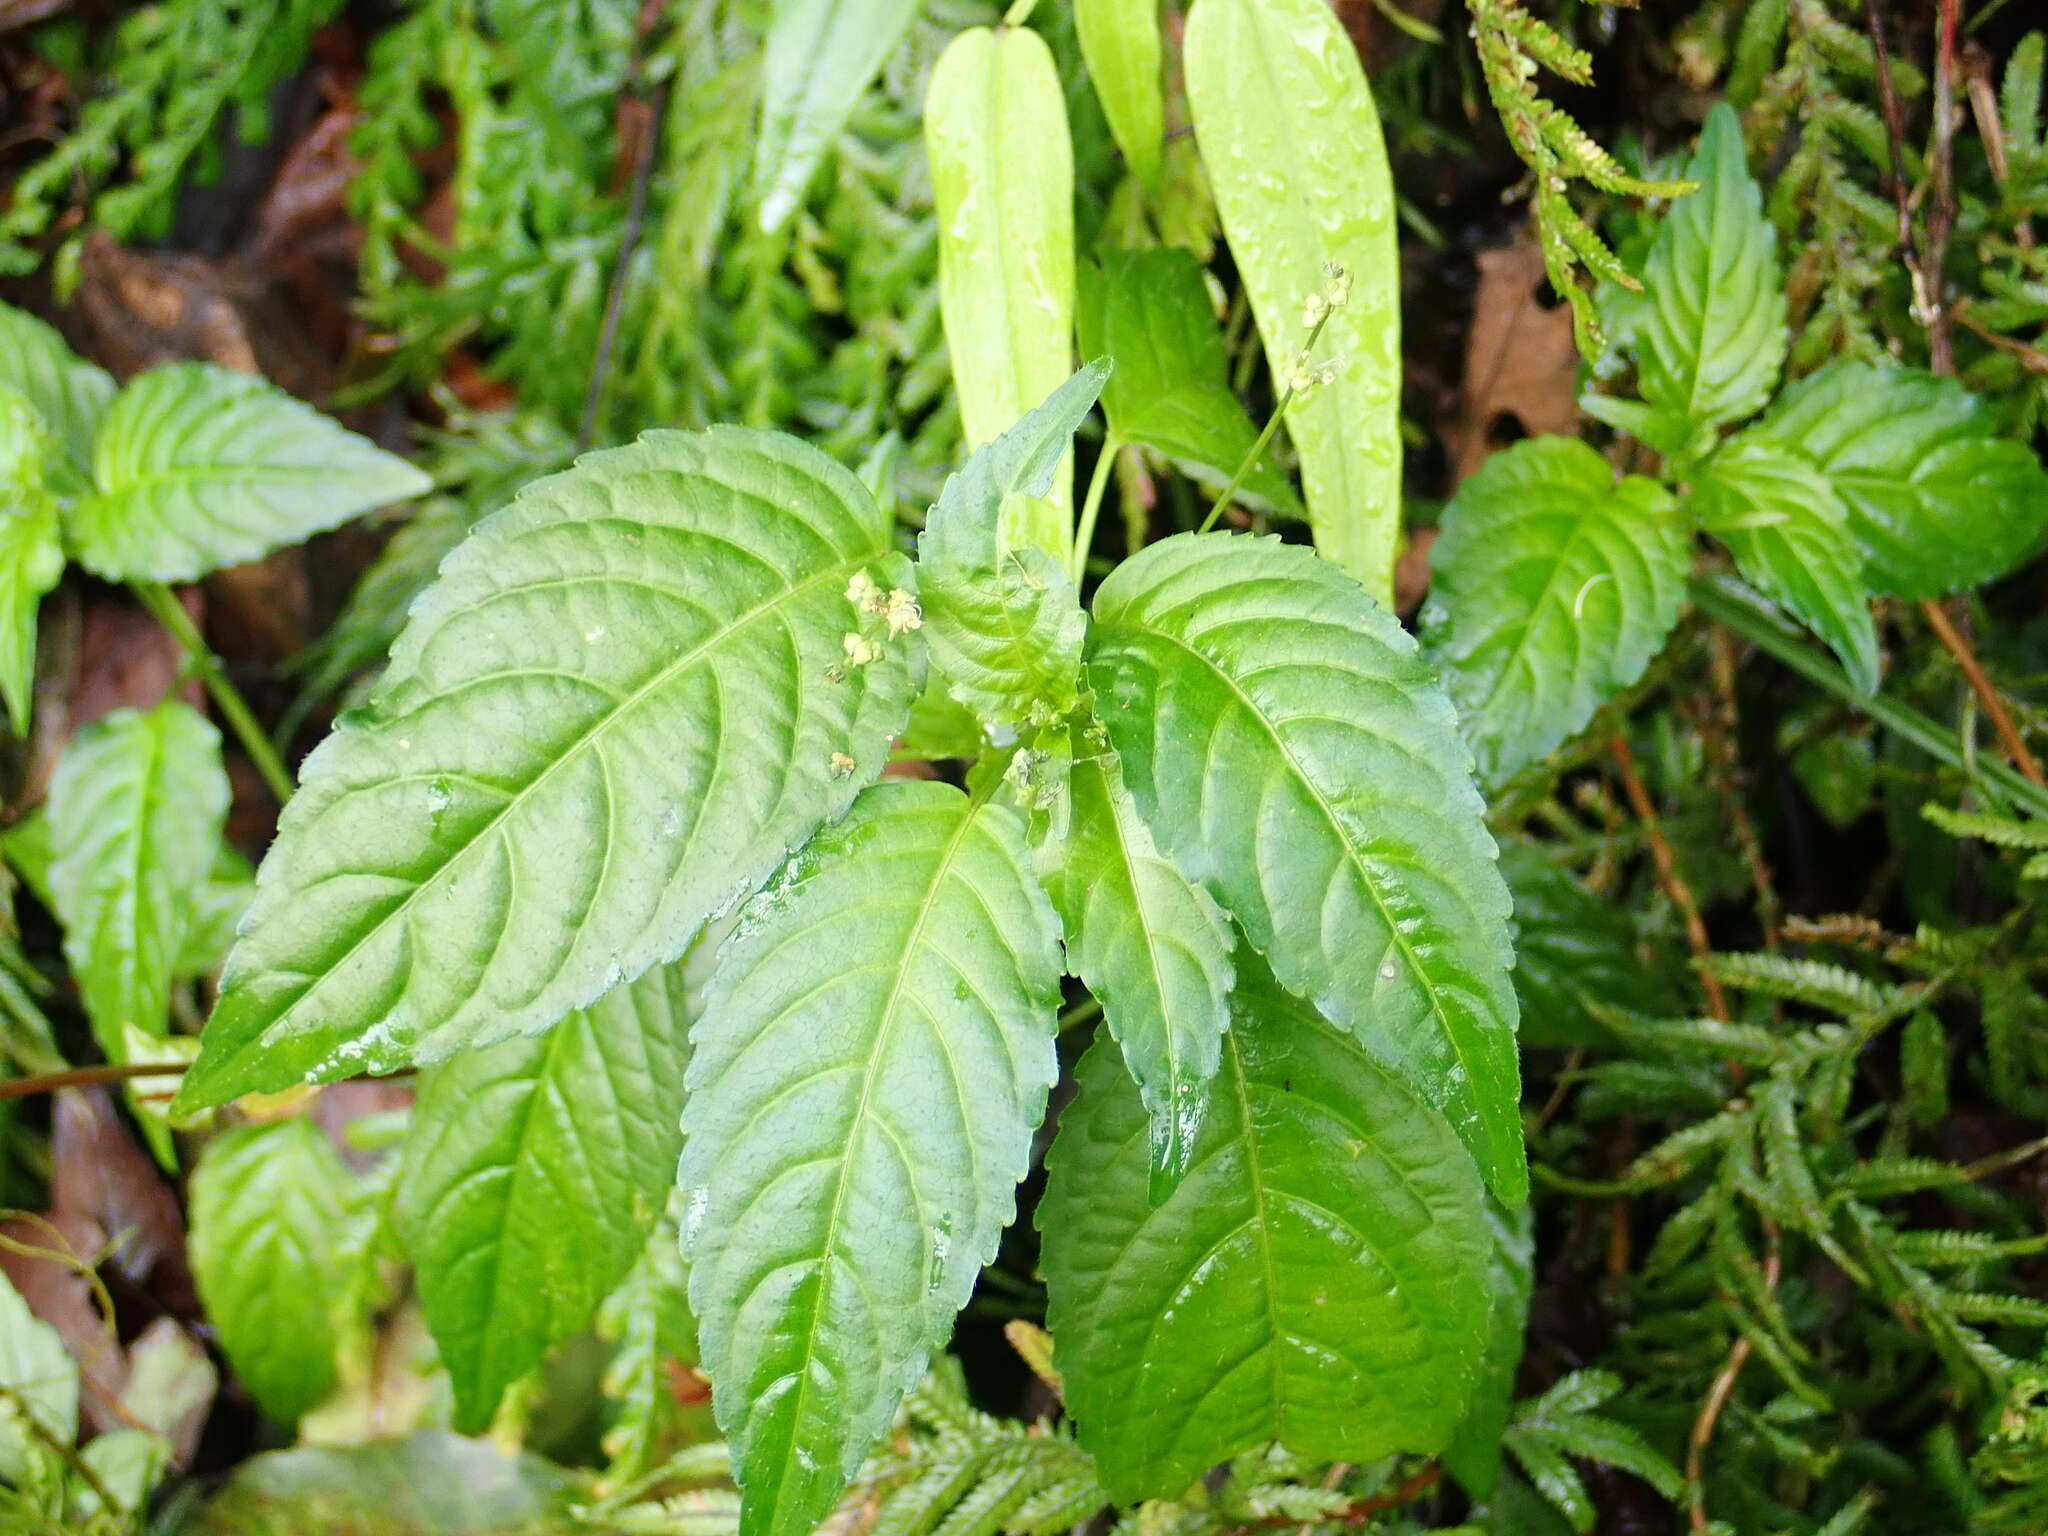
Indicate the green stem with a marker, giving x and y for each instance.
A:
(1258, 450)
(1084, 533)
(1019, 13)
(163, 604)
(1721, 600)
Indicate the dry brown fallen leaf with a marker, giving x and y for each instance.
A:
(1521, 364)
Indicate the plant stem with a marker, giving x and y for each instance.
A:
(1721, 600)
(1019, 12)
(87, 1077)
(1958, 646)
(1668, 875)
(1091, 506)
(1258, 449)
(163, 604)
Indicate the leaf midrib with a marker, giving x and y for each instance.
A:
(1329, 814)
(659, 680)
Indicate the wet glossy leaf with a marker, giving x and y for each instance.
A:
(819, 56)
(534, 1172)
(31, 553)
(1291, 752)
(875, 1053)
(1292, 142)
(1150, 312)
(136, 807)
(1005, 625)
(1473, 1455)
(197, 467)
(1153, 949)
(1317, 1278)
(1937, 500)
(995, 127)
(1574, 952)
(628, 695)
(68, 394)
(1789, 534)
(1553, 588)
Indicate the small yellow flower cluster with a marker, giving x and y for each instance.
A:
(1315, 310)
(896, 608)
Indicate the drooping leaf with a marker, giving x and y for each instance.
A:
(269, 1209)
(216, 914)
(1005, 624)
(1149, 311)
(196, 467)
(648, 1321)
(1711, 330)
(1553, 587)
(31, 555)
(1120, 42)
(1789, 534)
(995, 126)
(1473, 1455)
(874, 1055)
(820, 55)
(1573, 952)
(1937, 501)
(136, 807)
(1153, 949)
(68, 394)
(1318, 1277)
(629, 693)
(1292, 142)
(1290, 751)
(39, 1371)
(534, 1172)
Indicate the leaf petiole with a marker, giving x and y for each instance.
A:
(164, 606)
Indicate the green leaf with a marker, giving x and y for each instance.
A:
(1712, 333)
(31, 555)
(995, 126)
(1553, 589)
(534, 1171)
(1574, 951)
(1318, 1277)
(1292, 143)
(1291, 752)
(67, 393)
(128, 1463)
(1120, 44)
(38, 1370)
(607, 722)
(136, 807)
(269, 1207)
(216, 914)
(820, 55)
(873, 1059)
(197, 467)
(1937, 501)
(1153, 949)
(1473, 1455)
(1150, 311)
(1789, 534)
(1005, 624)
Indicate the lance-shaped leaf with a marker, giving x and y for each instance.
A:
(1789, 534)
(269, 1224)
(1318, 1277)
(196, 467)
(1937, 499)
(873, 1059)
(1553, 588)
(136, 806)
(1711, 325)
(629, 694)
(819, 56)
(995, 128)
(1120, 42)
(1150, 312)
(534, 1172)
(1290, 750)
(1153, 949)
(1292, 143)
(1004, 622)
(68, 394)
(31, 556)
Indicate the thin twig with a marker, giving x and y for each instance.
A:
(1404, 1492)
(163, 604)
(87, 1077)
(629, 242)
(1717, 1399)
(1958, 646)
(1721, 729)
(1926, 299)
(1668, 876)
(1941, 207)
